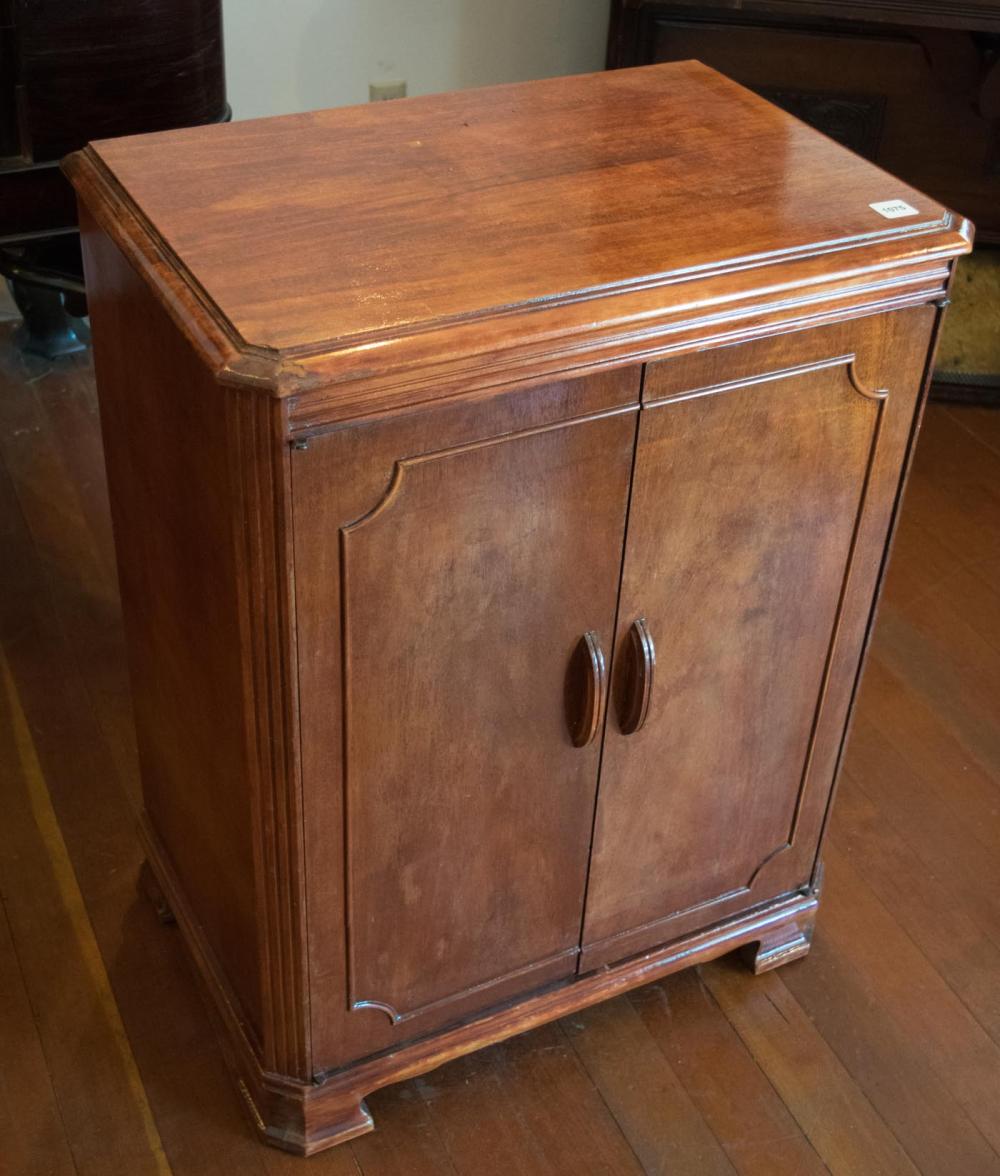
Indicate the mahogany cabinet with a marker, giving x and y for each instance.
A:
(502, 483)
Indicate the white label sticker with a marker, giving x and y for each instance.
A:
(891, 209)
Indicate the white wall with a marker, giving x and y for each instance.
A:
(288, 55)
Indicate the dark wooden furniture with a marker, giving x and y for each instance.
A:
(913, 85)
(501, 484)
(74, 72)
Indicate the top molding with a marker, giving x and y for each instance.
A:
(364, 258)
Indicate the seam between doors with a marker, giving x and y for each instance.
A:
(611, 670)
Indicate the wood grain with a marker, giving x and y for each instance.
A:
(558, 192)
(634, 1076)
(410, 613)
(733, 1094)
(945, 932)
(360, 192)
(807, 1073)
(179, 591)
(84, 1019)
(357, 567)
(48, 626)
(780, 470)
(888, 1057)
(29, 1113)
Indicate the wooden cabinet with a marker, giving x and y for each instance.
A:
(502, 483)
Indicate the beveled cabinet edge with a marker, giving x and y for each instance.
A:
(217, 343)
(336, 380)
(261, 478)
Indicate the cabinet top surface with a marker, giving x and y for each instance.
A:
(316, 230)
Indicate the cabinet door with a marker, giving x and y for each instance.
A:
(449, 565)
(764, 483)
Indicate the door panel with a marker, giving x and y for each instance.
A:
(470, 570)
(465, 594)
(751, 499)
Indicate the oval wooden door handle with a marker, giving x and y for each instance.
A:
(638, 685)
(586, 683)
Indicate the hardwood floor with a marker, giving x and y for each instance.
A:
(879, 1053)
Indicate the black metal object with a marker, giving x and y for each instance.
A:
(70, 73)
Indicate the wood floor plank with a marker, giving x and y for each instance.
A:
(835, 1114)
(955, 488)
(983, 423)
(921, 565)
(66, 399)
(921, 902)
(405, 1141)
(68, 421)
(893, 1065)
(934, 828)
(480, 1125)
(659, 1119)
(882, 1060)
(919, 562)
(64, 393)
(94, 1075)
(33, 1137)
(47, 497)
(558, 1102)
(62, 499)
(925, 739)
(947, 662)
(155, 992)
(744, 1111)
(896, 977)
(546, 1093)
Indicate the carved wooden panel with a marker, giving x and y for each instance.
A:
(749, 497)
(912, 93)
(852, 119)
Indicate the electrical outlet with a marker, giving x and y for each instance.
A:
(383, 91)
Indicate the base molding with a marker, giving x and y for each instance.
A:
(305, 1118)
(780, 947)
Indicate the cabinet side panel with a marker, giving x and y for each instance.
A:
(173, 508)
